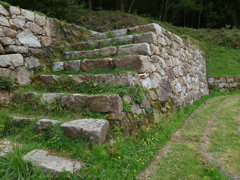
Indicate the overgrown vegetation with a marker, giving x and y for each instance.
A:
(7, 84)
(134, 153)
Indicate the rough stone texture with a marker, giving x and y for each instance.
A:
(12, 60)
(72, 66)
(5, 97)
(45, 124)
(146, 37)
(14, 10)
(18, 21)
(3, 11)
(36, 29)
(6, 41)
(224, 83)
(22, 75)
(1, 50)
(29, 15)
(113, 79)
(28, 39)
(18, 121)
(51, 163)
(108, 51)
(94, 130)
(48, 97)
(4, 21)
(5, 147)
(135, 49)
(77, 54)
(9, 32)
(89, 65)
(57, 66)
(16, 49)
(40, 20)
(98, 103)
(4, 72)
(32, 62)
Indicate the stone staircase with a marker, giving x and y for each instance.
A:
(169, 69)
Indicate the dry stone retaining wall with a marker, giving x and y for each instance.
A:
(224, 83)
(24, 34)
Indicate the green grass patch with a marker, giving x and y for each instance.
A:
(7, 84)
(124, 159)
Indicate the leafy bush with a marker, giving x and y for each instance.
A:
(7, 84)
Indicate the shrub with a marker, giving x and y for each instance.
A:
(7, 84)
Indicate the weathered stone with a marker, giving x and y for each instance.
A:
(162, 41)
(135, 49)
(46, 41)
(51, 163)
(14, 10)
(72, 65)
(155, 80)
(163, 95)
(5, 96)
(94, 130)
(48, 97)
(77, 54)
(146, 83)
(145, 28)
(50, 28)
(16, 49)
(3, 11)
(211, 80)
(5, 147)
(113, 79)
(57, 66)
(98, 103)
(148, 37)
(2, 32)
(1, 50)
(9, 32)
(139, 63)
(6, 41)
(36, 51)
(18, 21)
(49, 79)
(117, 116)
(18, 121)
(31, 62)
(4, 21)
(145, 103)
(108, 51)
(45, 124)
(34, 27)
(28, 14)
(30, 96)
(86, 45)
(155, 49)
(153, 94)
(40, 20)
(4, 72)
(11, 60)
(28, 39)
(136, 109)
(127, 98)
(22, 75)
(89, 65)
(119, 32)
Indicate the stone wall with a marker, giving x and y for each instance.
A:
(25, 34)
(224, 83)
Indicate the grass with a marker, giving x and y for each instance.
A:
(184, 160)
(103, 161)
(225, 140)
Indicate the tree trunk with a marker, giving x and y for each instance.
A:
(122, 5)
(131, 6)
(90, 4)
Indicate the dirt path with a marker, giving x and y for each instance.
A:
(195, 135)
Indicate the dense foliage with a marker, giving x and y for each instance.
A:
(191, 13)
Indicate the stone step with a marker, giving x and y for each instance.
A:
(100, 103)
(132, 49)
(153, 27)
(94, 130)
(148, 37)
(115, 79)
(139, 63)
(51, 163)
(6, 146)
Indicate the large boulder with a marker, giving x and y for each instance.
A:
(28, 39)
(52, 163)
(94, 130)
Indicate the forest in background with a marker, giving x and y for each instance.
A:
(186, 13)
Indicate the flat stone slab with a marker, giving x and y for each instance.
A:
(51, 163)
(94, 130)
(21, 120)
(45, 124)
(5, 147)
